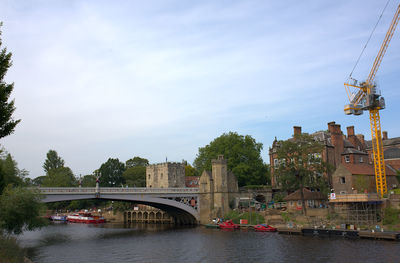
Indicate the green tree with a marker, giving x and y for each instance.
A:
(53, 161)
(19, 210)
(38, 181)
(190, 170)
(89, 180)
(135, 176)
(9, 172)
(135, 173)
(111, 173)
(136, 161)
(59, 177)
(7, 123)
(300, 165)
(243, 154)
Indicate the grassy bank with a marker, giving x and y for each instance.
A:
(253, 218)
(10, 251)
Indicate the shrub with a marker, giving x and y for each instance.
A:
(391, 216)
(10, 251)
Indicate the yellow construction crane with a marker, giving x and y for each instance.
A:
(366, 96)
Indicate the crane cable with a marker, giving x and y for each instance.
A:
(366, 44)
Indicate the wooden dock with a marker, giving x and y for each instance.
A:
(290, 231)
(380, 235)
(395, 236)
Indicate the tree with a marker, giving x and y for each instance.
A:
(243, 154)
(135, 173)
(9, 172)
(19, 210)
(53, 161)
(135, 176)
(136, 161)
(300, 165)
(59, 177)
(111, 173)
(190, 170)
(7, 123)
(38, 181)
(88, 180)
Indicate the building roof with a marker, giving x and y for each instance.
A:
(353, 151)
(365, 169)
(308, 195)
(387, 142)
(392, 153)
(347, 144)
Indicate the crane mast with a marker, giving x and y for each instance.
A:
(365, 96)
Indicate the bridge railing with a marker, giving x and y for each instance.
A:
(119, 190)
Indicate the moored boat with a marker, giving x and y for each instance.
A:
(228, 224)
(264, 228)
(85, 217)
(58, 218)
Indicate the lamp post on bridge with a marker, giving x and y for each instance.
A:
(98, 174)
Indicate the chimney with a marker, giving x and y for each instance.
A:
(350, 131)
(337, 141)
(296, 130)
(330, 126)
(361, 138)
(384, 135)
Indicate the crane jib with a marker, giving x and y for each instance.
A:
(366, 97)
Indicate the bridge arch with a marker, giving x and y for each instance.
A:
(182, 213)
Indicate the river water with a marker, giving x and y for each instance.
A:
(164, 243)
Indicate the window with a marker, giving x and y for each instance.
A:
(347, 158)
(361, 159)
(342, 180)
(276, 162)
(149, 176)
(343, 192)
(161, 175)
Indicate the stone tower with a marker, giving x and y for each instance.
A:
(220, 178)
(217, 189)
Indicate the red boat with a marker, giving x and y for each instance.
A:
(264, 228)
(85, 217)
(228, 224)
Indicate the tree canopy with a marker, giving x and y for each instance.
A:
(7, 123)
(243, 154)
(9, 172)
(111, 173)
(300, 162)
(135, 173)
(59, 177)
(19, 210)
(53, 161)
(136, 161)
(190, 170)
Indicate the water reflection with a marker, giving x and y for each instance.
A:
(166, 243)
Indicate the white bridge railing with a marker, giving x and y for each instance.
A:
(116, 190)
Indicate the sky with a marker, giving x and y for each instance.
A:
(159, 79)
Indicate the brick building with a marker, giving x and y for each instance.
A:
(350, 156)
(391, 150)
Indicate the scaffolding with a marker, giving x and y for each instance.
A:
(359, 213)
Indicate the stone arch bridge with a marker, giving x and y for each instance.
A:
(181, 203)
